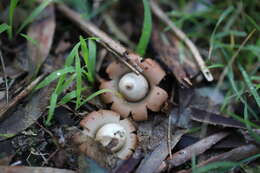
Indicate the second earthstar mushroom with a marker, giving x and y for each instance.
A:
(133, 93)
(111, 131)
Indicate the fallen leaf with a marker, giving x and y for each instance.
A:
(24, 169)
(214, 119)
(199, 147)
(94, 150)
(170, 57)
(42, 31)
(129, 165)
(153, 161)
(25, 116)
(88, 165)
(235, 154)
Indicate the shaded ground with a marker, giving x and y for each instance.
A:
(213, 125)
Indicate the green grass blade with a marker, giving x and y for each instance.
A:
(63, 83)
(249, 159)
(221, 18)
(70, 59)
(216, 165)
(249, 128)
(60, 84)
(225, 166)
(255, 78)
(235, 88)
(7, 135)
(250, 85)
(30, 39)
(238, 118)
(216, 66)
(53, 76)
(193, 164)
(92, 59)
(147, 29)
(240, 97)
(193, 130)
(71, 95)
(78, 80)
(230, 32)
(252, 21)
(81, 6)
(68, 97)
(105, 5)
(4, 27)
(89, 57)
(258, 86)
(94, 95)
(34, 14)
(53, 103)
(226, 100)
(13, 5)
(84, 49)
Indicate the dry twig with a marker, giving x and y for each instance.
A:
(214, 119)
(5, 77)
(122, 53)
(161, 15)
(233, 58)
(20, 96)
(170, 57)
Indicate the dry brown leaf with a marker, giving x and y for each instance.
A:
(24, 169)
(42, 31)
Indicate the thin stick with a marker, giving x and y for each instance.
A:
(46, 130)
(116, 48)
(169, 136)
(161, 15)
(5, 77)
(20, 96)
(233, 58)
(50, 157)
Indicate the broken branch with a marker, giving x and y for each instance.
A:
(122, 53)
(181, 35)
(20, 96)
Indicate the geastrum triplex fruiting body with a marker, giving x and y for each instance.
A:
(134, 93)
(111, 131)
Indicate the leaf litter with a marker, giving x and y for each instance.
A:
(194, 124)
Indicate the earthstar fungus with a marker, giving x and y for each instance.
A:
(136, 92)
(112, 132)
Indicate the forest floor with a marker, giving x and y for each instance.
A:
(196, 109)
